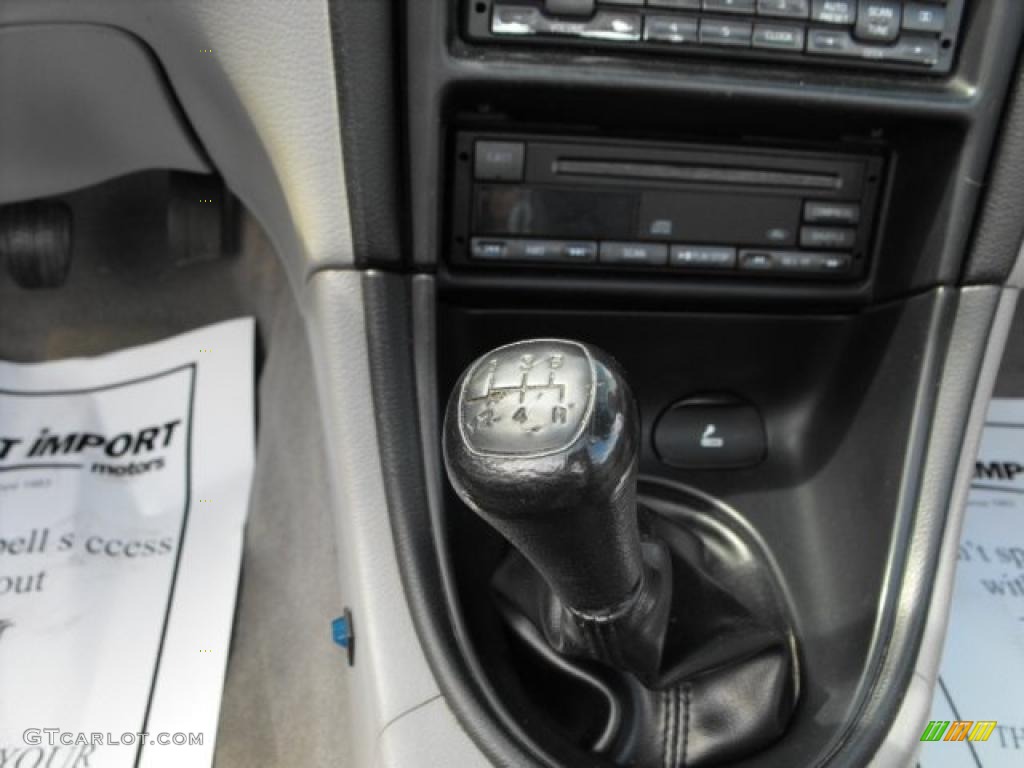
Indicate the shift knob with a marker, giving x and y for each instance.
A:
(540, 440)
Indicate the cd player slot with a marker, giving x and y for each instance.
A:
(696, 174)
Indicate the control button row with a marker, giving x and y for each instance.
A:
(878, 20)
(907, 50)
(677, 29)
(515, 249)
(617, 26)
(697, 257)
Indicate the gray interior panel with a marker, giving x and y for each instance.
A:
(428, 735)
(391, 677)
(262, 103)
(98, 110)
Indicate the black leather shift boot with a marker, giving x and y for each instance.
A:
(712, 675)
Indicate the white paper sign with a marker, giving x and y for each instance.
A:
(124, 482)
(982, 671)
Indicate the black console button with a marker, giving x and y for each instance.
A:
(834, 11)
(834, 42)
(914, 50)
(526, 20)
(715, 32)
(703, 257)
(791, 9)
(801, 261)
(489, 249)
(757, 261)
(499, 160)
(918, 17)
(583, 251)
(708, 434)
(878, 21)
(730, 6)
(643, 254)
(778, 37)
(827, 237)
(794, 261)
(670, 29)
(827, 212)
(679, 5)
(569, 7)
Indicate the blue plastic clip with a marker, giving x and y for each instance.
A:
(341, 631)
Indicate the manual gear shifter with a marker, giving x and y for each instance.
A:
(541, 440)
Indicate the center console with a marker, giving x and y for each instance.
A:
(699, 325)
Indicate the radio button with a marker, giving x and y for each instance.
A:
(528, 20)
(778, 37)
(648, 254)
(489, 250)
(537, 250)
(579, 251)
(729, 6)
(879, 21)
(757, 261)
(832, 42)
(914, 50)
(827, 237)
(919, 17)
(679, 5)
(725, 32)
(569, 7)
(826, 212)
(834, 11)
(791, 9)
(703, 257)
(670, 29)
(499, 160)
(794, 261)
(798, 261)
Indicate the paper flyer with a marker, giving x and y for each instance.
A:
(124, 483)
(977, 718)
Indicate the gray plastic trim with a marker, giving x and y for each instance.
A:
(391, 679)
(98, 110)
(429, 735)
(903, 740)
(262, 102)
(1017, 275)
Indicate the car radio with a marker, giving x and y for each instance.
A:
(891, 34)
(681, 209)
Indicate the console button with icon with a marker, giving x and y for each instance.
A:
(710, 433)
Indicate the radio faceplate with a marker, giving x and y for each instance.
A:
(903, 35)
(678, 209)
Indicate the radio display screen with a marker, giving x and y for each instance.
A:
(504, 209)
